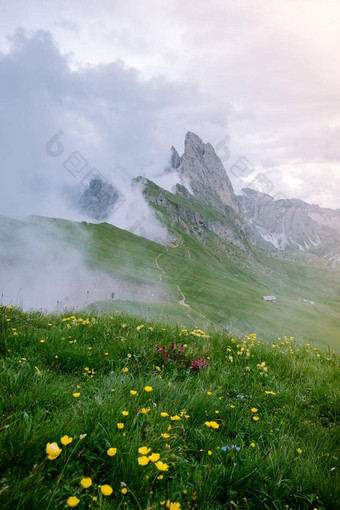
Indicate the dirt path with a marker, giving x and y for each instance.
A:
(159, 268)
(182, 301)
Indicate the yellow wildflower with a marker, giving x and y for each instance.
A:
(111, 452)
(173, 506)
(143, 461)
(86, 483)
(72, 501)
(53, 451)
(212, 424)
(148, 388)
(144, 450)
(65, 440)
(161, 466)
(154, 457)
(120, 426)
(106, 490)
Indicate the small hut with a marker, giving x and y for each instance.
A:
(271, 299)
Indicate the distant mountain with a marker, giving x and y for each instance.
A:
(293, 224)
(203, 204)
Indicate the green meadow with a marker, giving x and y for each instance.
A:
(111, 411)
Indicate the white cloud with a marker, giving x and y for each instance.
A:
(263, 73)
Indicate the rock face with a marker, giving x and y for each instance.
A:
(294, 224)
(203, 201)
(195, 216)
(98, 200)
(203, 170)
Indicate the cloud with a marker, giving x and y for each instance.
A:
(127, 80)
(105, 114)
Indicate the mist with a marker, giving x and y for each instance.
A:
(45, 266)
(62, 127)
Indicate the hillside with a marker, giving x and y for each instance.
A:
(111, 412)
(192, 283)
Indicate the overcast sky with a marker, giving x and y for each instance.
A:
(125, 80)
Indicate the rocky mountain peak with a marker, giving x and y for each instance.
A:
(203, 170)
(294, 224)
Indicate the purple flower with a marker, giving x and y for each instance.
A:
(173, 346)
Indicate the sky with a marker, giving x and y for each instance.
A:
(117, 83)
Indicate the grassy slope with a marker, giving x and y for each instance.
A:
(222, 286)
(226, 289)
(287, 457)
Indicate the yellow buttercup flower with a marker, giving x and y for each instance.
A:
(255, 418)
(112, 452)
(254, 410)
(212, 424)
(144, 450)
(124, 490)
(164, 415)
(145, 410)
(154, 457)
(161, 466)
(65, 440)
(125, 413)
(148, 388)
(72, 501)
(174, 418)
(86, 483)
(299, 451)
(53, 450)
(133, 392)
(120, 426)
(173, 506)
(143, 461)
(76, 395)
(106, 490)
(165, 435)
